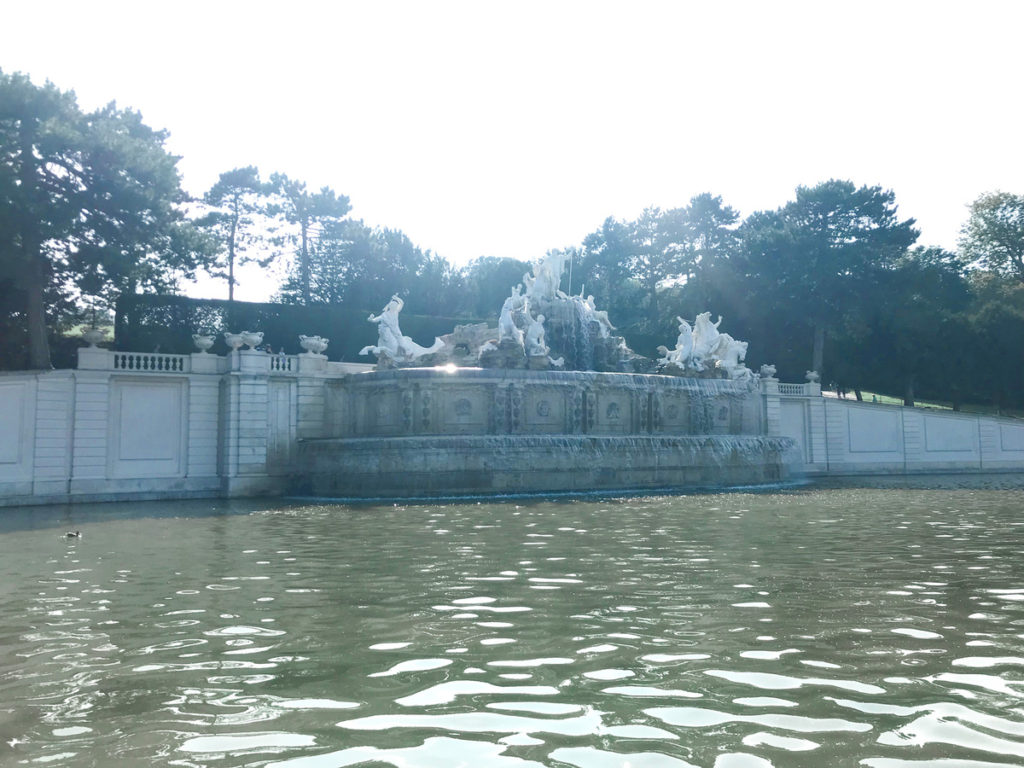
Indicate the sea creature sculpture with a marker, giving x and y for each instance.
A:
(391, 342)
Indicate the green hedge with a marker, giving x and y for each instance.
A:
(147, 322)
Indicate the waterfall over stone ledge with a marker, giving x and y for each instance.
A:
(452, 431)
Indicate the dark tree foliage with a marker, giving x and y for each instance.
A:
(995, 344)
(603, 271)
(645, 252)
(709, 235)
(89, 204)
(634, 267)
(148, 321)
(909, 338)
(350, 262)
(486, 283)
(819, 258)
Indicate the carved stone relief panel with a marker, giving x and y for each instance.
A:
(674, 413)
(613, 413)
(721, 416)
(499, 416)
(383, 413)
(465, 411)
(544, 410)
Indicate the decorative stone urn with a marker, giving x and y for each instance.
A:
(234, 340)
(252, 339)
(93, 336)
(767, 371)
(203, 342)
(314, 345)
(812, 377)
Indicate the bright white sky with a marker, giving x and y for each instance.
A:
(508, 128)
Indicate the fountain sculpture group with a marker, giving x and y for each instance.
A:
(550, 400)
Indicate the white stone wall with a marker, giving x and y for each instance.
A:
(54, 414)
(125, 426)
(17, 433)
(844, 437)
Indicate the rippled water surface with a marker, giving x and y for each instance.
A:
(808, 627)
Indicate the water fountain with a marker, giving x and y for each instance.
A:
(549, 401)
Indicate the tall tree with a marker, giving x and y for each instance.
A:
(40, 144)
(238, 221)
(602, 267)
(309, 212)
(87, 200)
(658, 253)
(709, 232)
(993, 236)
(995, 347)
(351, 262)
(910, 337)
(646, 251)
(820, 254)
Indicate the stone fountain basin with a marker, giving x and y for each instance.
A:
(479, 401)
(437, 431)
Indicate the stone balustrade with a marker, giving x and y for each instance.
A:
(151, 362)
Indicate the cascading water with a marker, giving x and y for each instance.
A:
(430, 432)
(582, 341)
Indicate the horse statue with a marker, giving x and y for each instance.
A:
(547, 274)
(705, 340)
(729, 355)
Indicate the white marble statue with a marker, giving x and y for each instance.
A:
(705, 340)
(535, 345)
(684, 343)
(390, 340)
(729, 355)
(547, 274)
(683, 352)
(508, 329)
(703, 348)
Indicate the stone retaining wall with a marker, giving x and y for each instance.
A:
(146, 426)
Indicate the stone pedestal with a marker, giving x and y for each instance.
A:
(93, 359)
(310, 362)
(507, 355)
(250, 361)
(538, 363)
(203, 362)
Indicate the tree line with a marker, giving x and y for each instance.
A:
(834, 280)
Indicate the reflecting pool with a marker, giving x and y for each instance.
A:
(800, 627)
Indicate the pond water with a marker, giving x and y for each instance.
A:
(800, 627)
